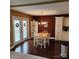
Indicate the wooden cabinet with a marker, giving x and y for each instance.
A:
(58, 28)
(60, 34)
(66, 33)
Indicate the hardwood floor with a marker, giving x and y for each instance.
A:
(52, 51)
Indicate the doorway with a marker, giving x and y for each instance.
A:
(25, 29)
(20, 29)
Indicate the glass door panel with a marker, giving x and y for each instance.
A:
(16, 30)
(25, 29)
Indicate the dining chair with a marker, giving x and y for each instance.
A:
(41, 40)
(38, 41)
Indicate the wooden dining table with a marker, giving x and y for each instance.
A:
(42, 36)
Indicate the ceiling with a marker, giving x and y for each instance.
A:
(43, 9)
(18, 2)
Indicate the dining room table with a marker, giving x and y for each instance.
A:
(42, 36)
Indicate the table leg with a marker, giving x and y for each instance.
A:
(34, 42)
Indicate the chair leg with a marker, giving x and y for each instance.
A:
(41, 45)
(44, 43)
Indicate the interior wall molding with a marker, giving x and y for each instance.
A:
(39, 3)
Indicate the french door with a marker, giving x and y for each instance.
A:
(17, 28)
(20, 28)
(25, 29)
